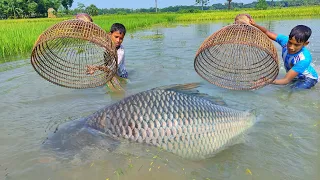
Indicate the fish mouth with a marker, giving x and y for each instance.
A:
(252, 117)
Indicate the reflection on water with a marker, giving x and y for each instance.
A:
(283, 144)
(203, 30)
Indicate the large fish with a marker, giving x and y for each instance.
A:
(175, 118)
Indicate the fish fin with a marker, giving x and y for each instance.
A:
(180, 87)
(216, 100)
(213, 99)
(190, 88)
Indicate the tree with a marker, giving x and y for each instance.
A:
(61, 10)
(262, 4)
(55, 4)
(20, 8)
(311, 2)
(1, 10)
(81, 8)
(202, 2)
(295, 2)
(66, 4)
(92, 10)
(229, 4)
(32, 8)
(12, 8)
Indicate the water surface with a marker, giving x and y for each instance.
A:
(283, 144)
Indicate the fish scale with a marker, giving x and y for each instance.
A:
(183, 123)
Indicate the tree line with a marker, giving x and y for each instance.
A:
(38, 8)
(31, 8)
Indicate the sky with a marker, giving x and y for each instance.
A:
(136, 4)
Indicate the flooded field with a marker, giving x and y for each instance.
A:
(283, 144)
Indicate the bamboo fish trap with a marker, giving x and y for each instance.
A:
(62, 53)
(237, 56)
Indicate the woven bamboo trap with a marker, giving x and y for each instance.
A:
(62, 53)
(237, 56)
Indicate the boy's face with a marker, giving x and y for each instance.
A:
(117, 38)
(294, 46)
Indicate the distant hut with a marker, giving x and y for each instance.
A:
(51, 13)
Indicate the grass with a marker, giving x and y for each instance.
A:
(18, 36)
(269, 13)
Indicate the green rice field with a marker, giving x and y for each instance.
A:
(18, 36)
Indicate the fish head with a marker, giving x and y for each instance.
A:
(250, 118)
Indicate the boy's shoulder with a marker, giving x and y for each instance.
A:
(282, 36)
(306, 52)
(282, 39)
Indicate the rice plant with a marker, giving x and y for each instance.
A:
(17, 37)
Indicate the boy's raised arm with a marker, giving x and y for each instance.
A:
(270, 34)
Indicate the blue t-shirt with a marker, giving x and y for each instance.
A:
(300, 62)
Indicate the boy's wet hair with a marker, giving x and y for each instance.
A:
(84, 16)
(118, 27)
(242, 19)
(301, 33)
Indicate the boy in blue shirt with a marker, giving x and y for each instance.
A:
(296, 57)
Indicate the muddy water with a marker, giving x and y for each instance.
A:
(284, 143)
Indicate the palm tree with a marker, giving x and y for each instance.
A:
(13, 8)
(229, 4)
